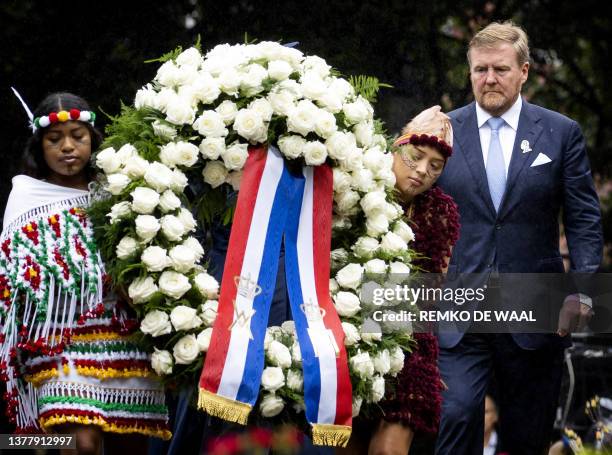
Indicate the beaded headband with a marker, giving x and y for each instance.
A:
(55, 117)
(64, 116)
(425, 139)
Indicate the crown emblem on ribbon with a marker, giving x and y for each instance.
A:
(312, 311)
(247, 288)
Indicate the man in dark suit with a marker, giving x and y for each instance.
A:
(515, 167)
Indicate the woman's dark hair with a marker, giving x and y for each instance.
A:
(34, 163)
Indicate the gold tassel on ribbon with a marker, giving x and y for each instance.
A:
(223, 408)
(330, 435)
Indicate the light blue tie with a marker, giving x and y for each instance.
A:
(496, 170)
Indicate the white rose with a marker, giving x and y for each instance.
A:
(168, 154)
(404, 231)
(163, 130)
(156, 323)
(339, 256)
(279, 70)
(214, 173)
(292, 146)
(363, 180)
(342, 88)
(186, 350)
(353, 161)
(357, 111)
(183, 258)
(184, 318)
(350, 276)
(126, 153)
(346, 303)
(271, 405)
(209, 311)
(262, 107)
(204, 338)
(370, 331)
(194, 245)
(158, 176)
(212, 147)
(108, 161)
(145, 97)
(180, 112)
(393, 243)
(179, 181)
(227, 110)
(378, 389)
(118, 211)
(365, 247)
(155, 258)
(330, 101)
(250, 125)
(315, 153)
(282, 102)
(357, 402)
(295, 380)
(229, 81)
(147, 227)
(288, 327)
(375, 160)
(346, 201)
(333, 286)
(169, 201)
(207, 285)
(116, 183)
(164, 98)
(339, 144)
(205, 88)
(296, 353)
(302, 118)
(126, 247)
(190, 57)
(382, 362)
(398, 272)
(373, 201)
(272, 378)
(234, 179)
(172, 228)
(325, 124)
(342, 180)
(316, 65)
(364, 132)
(235, 156)
(278, 354)
(186, 154)
(168, 74)
(161, 362)
(210, 124)
(377, 224)
(142, 289)
(253, 77)
(361, 364)
(351, 334)
(397, 360)
(188, 221)
(173, 284)
(272, 333)
(313, 86)
(375, 267)
(144, 200)
(135, 168)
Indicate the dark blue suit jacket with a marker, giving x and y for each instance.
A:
(524, 236)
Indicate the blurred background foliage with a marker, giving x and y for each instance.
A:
(97, 49)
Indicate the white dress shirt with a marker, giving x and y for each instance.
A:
(507, 133)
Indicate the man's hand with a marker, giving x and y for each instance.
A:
(575, 314)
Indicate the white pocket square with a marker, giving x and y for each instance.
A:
(540, 159)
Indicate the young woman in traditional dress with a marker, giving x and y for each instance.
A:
(413, 407)
(67, 354)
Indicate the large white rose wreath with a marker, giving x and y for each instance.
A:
(194, 123)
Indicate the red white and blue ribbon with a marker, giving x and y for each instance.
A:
(273, 204)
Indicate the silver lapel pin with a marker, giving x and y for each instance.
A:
(525, 146)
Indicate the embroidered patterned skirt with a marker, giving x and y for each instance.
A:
(101, 378)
